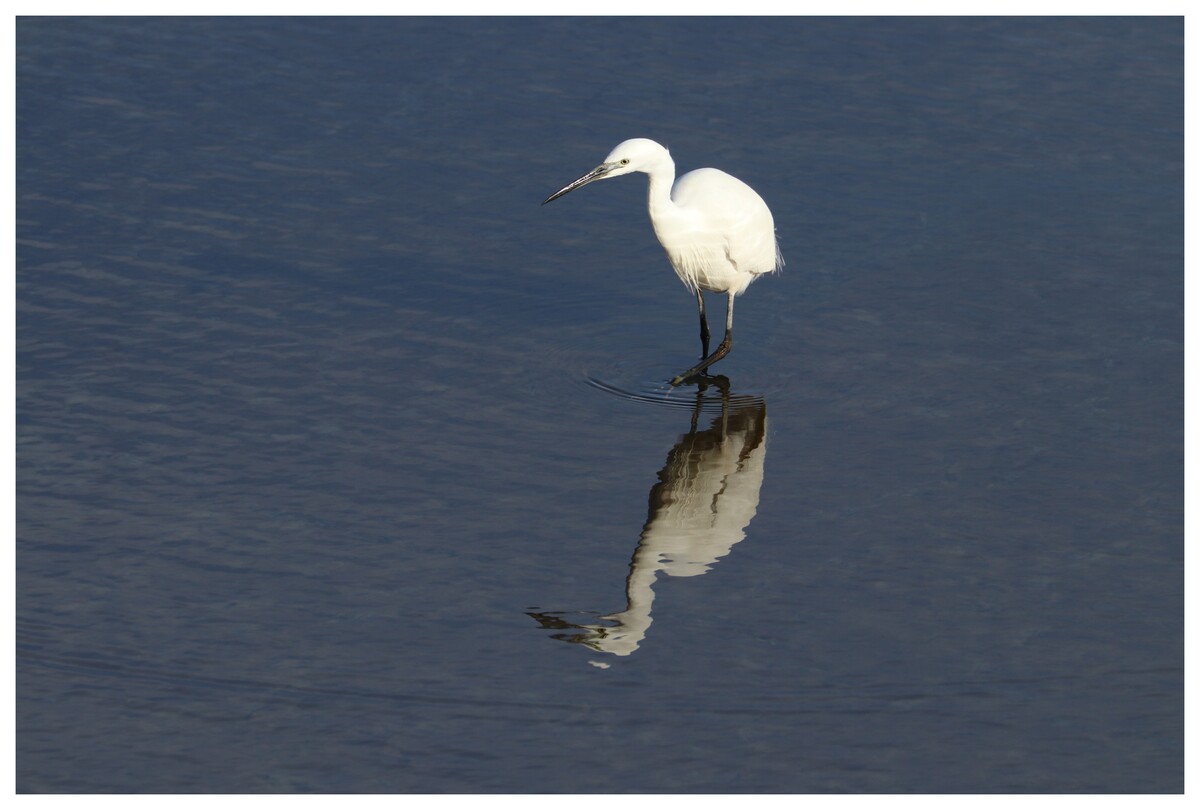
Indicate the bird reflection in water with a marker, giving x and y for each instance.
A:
(706, 496)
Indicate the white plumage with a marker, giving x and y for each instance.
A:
(718, 233)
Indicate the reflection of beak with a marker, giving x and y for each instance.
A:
(597, 173)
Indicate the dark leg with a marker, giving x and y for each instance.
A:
(721, 351)
(703, 324)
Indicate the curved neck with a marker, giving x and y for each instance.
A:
(662, 177)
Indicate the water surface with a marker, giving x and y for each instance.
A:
(329, 436)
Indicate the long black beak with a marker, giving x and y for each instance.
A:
(595, 174)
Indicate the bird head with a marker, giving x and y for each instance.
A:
(633, 155)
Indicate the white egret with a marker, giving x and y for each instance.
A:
(718, 233)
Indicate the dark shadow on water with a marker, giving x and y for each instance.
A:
(707, 494)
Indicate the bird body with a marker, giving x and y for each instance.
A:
(718, 233)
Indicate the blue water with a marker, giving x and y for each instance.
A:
(344, 466)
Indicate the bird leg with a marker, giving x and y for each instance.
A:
(722, 350)
(703, 324)
(698, 369)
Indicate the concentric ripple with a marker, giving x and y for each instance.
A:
(710, 394)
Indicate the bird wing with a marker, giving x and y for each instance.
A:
(725, 205)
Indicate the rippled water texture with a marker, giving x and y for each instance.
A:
(345, 466)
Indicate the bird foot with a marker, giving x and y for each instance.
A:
(701, 378)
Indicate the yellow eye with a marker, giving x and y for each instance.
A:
(624, 161)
